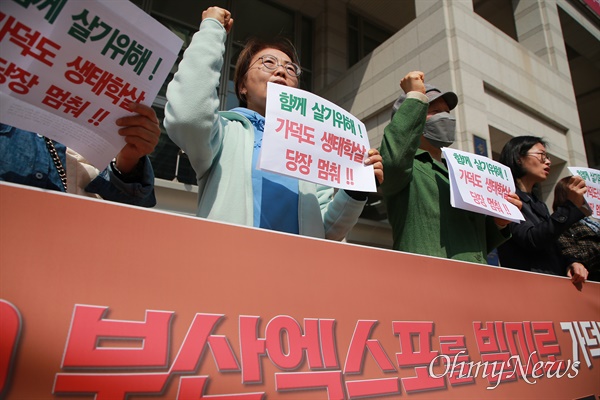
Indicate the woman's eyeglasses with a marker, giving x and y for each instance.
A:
(272, 63)
(543, 157)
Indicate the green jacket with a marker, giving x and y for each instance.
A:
(417, 195)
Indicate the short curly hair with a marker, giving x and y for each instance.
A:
(252, 47)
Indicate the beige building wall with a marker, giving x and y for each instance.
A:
(506, 88)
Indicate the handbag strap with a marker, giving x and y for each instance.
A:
(62, 173)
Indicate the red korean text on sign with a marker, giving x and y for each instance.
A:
(19, 80)
(497, 188)
(297, 160)
(419, 359)
(470, 178)
(301, 132)
(103, 83)
(455, 347)
(361, 345)
(478, 199)
(84, 349)
(329, 170)
(525, 344)
(31, 42)
(343, 147)
(585, 336)
(58, 98)
(10, 331)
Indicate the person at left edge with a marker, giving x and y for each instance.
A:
(26, 159)
(223, 146)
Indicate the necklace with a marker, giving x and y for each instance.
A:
(57, 163)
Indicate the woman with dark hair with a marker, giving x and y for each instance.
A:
(533, 245)
(223, 147)
(581, 241)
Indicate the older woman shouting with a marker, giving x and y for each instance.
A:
(223, 146)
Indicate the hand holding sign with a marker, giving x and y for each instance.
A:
(591, 194)
(141, 132)
(513, 199)
(84, 63)
(482, 185)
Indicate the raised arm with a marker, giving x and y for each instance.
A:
(402, 135)
(130, 178)
(191, 112)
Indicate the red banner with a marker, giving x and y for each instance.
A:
(105, 301)
(594, 5)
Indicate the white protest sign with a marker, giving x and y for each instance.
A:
(479, 184)
(592, 181)
(68, 69)
(310, 138)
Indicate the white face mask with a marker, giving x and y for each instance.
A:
(440, 129)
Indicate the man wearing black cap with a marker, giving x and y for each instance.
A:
(417, 188)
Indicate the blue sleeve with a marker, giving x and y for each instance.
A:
(111, 186)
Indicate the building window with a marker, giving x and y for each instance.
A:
(363, 37)
(269, 21)
(168, 160)
(185, 33)
(499, 13)
(259, 18)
